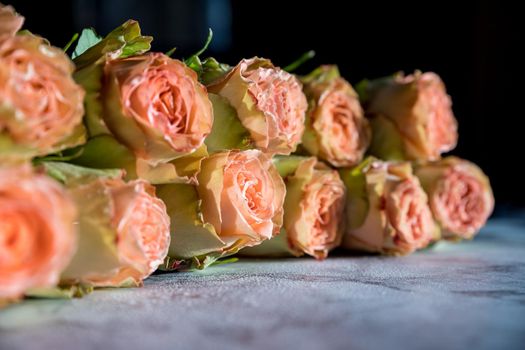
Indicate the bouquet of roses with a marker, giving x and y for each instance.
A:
(117, 161)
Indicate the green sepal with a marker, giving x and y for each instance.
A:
(387, 142)
(357, 203)
(191, 236)
(321, 75)
(69, 173)
(213, 70)
(286, 165)
(227, 131)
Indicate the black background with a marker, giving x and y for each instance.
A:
(474, 46)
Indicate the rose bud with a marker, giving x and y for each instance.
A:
(237, 203)
(459, 194)
(336, 130)
(268, 102)
(387, 209)
(41, 106)
(123, 227)
(37, 232)
(411, 116)
(150, 104)
(313, 210)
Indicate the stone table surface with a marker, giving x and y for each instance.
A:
(455, 296)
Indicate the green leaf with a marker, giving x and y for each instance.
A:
(124, 41)
(300, 61)
(88, 39)
(70, 42)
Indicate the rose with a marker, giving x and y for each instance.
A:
(237, 203)
(336, 130)
(37, 232)
(411, 116)
(313, 210)
(269, 103)
(145, 112)
(387, 209)
(242, 195)
(156, 106)
(460, 195)
(41, 107)
(123, 227)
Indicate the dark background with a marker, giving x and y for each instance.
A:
(473, 46)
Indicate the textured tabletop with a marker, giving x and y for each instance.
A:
(455, 296)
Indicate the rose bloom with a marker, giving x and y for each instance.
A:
(420, 110)
(460, 195)
(388, 211)
(336, 130)
(269, 102)
(242, 196)
(155, 106)
(130, 228)
(37, 233)
(41, 107)
(313, 209)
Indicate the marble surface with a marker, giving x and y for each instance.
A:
(455, 296)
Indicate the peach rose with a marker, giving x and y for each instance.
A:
(313, 209)
(387, 209)
(412, 117)
(123, 229)
(37, 233)
(460, 195)
(242, 196)
(269, 103)
(41, 107)
(336, 130)
(155, 106)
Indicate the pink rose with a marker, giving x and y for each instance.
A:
(37, 232)
(123, 229)
(412, 117)
(387, 209)
(41, 106)
(460, 195)
(242, 196)
(336, 130)
(156, 106)
(269, 103)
